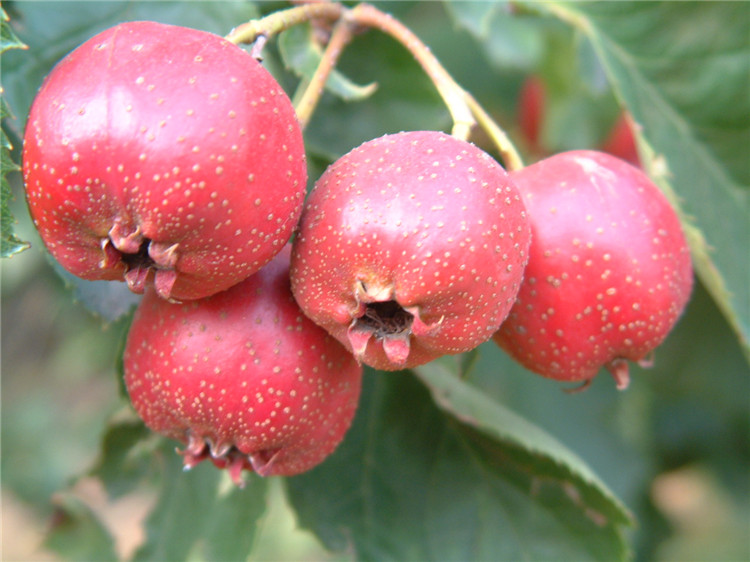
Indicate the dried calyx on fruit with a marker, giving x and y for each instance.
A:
(410, 247)
(609, 271)
(243, 378)
(165, 155)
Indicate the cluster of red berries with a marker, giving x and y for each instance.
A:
(168, 157)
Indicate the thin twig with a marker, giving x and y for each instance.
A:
(449, 90)
(341, 36)
(465, 111)
(275, 23)
(511, 158)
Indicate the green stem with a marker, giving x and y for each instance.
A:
(464, 109)
(449, 90)
(511, 158)
(340, 38)
(277, 22)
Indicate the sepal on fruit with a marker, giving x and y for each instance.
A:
(227, 456)
(620, 371)
(379, 316)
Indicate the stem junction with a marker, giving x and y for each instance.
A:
(465, 111)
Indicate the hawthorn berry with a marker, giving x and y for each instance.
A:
(532, 116)
(609, 270)
(410, 247)
(163, 155)
(531, 112)
(621, 140)
(243, 378)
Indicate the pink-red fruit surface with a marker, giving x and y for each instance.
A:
(609, 271)
(410, 247)
(163, 155)
(243, 377)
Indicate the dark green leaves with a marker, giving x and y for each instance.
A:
(9, 243)
(550, 457)
(411, 482)
(198, 514)
(201, 514)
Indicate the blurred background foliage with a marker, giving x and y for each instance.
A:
(80, 475)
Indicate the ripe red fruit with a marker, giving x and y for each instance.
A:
(621, 142)
(531, 112)
(242, 377)
(410, 247)
(163, 155)
(609, 270)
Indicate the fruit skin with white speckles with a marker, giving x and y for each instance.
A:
(609, 271)
(163, 155)
(410, 247)
(243, 378)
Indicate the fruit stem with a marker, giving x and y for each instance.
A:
(465, 110)
(340, 38)
(277, 22)
(505, 147)
(453, 95)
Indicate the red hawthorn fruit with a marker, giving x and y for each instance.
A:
(242, 377)
(609, 269)
(531, 112)
(621, 142)
(166, 156)
(410, 247)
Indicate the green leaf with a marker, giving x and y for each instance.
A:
(109, 300)
(675, 413)
(686, 86)
(9, 243)
(8, 39)
(696, 418)
(127, 454)
(201, 515)
(508, 42)
(412, 483)
(77, 534)
(475, 17)
(580, 108)
(302, 54)
(479, 411)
